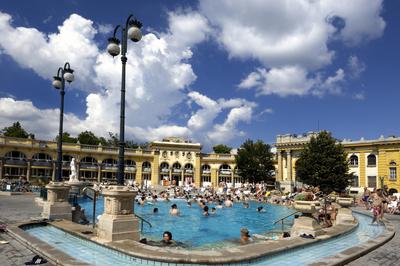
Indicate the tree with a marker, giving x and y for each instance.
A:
(17, 131)
(221, 148)
(66, 138)
(254, 161)
(324, 163)
(88, 137)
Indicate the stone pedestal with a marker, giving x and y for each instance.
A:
(76, 186)
(344, 215)
(118, 221)
(306, 225)
(57, 206)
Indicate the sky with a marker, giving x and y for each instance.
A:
(209, 71)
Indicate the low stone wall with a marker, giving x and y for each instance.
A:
(231, 255)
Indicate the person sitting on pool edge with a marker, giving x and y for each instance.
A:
(245, 236)
(174, 211)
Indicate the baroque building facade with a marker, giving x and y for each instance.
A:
(374, 162)
(172, 160)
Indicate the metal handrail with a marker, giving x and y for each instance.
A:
(282, 219)
(143, 220)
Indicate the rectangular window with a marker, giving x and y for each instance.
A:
(372, 181)
(393, 173)
(206, 178)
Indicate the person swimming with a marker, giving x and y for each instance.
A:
(174, 211)
(205, 211)
(261, 209)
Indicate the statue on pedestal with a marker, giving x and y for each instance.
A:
(72, 176)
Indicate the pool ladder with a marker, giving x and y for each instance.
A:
(143, 220)
(284, 218)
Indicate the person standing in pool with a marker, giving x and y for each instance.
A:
(174, 211)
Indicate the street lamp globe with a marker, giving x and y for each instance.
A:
(134, 33)
(68, 75)
(57, 82)
(113, 47)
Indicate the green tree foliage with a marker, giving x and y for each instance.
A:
(16, 131)
(66, 138)
(255, 161)
(221, 148)
(89, 138)
(324, 163)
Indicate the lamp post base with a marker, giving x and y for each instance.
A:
(57, 206)
(118, 221)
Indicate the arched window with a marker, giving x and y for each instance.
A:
(225, 169)
(16, 155)
(393, 163)
(130, 163)
(176, 166)
(164, 167)
(110, 162)
(371, 160)
(188, 168)
(205, 168)
(354, 160)
(43, 157)
(88, 160)
(146, 167)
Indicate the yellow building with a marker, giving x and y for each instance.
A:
(373, 162)
(173, 160)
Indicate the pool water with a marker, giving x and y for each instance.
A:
(89, 252)
(198, 231)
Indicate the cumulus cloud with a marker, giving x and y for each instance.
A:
(291, 38)
(158, 75)
(356, 66)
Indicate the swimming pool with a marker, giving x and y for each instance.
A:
(92, 253)
(198, 231)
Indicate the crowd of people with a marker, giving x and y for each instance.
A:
(379, 202)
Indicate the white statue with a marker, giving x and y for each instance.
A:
(72, 176)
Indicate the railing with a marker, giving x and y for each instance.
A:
(143, 220)
(282, 219)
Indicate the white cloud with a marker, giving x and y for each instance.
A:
(356, 66)
(158, 73)
(359, 96)
(105, 28)
(290, 38)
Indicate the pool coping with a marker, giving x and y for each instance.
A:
(238, 254)
(356, 252)
(242, 254)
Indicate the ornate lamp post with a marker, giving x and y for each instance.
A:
(131, 31)
(63, 74)
(118, 221)
(57, 206)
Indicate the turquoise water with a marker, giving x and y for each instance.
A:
(196, 230)
(95, 254)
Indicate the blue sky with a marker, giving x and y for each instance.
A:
(211, 71)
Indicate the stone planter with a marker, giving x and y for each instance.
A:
(118, 221)
(344, 202)
(307, 207)
(57, 206)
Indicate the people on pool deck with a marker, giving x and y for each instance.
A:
(245, 236)
(377, 206)
(174, 211)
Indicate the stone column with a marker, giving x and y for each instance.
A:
(289, 165)
(53, 174)
(57, 206)
(1, 168)
(77, 165)
(155, 169)
(214, 178)
(118, 221)
(28, 171)
(139, 173)
(197, 171)
(280, 166)
(99, 173)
